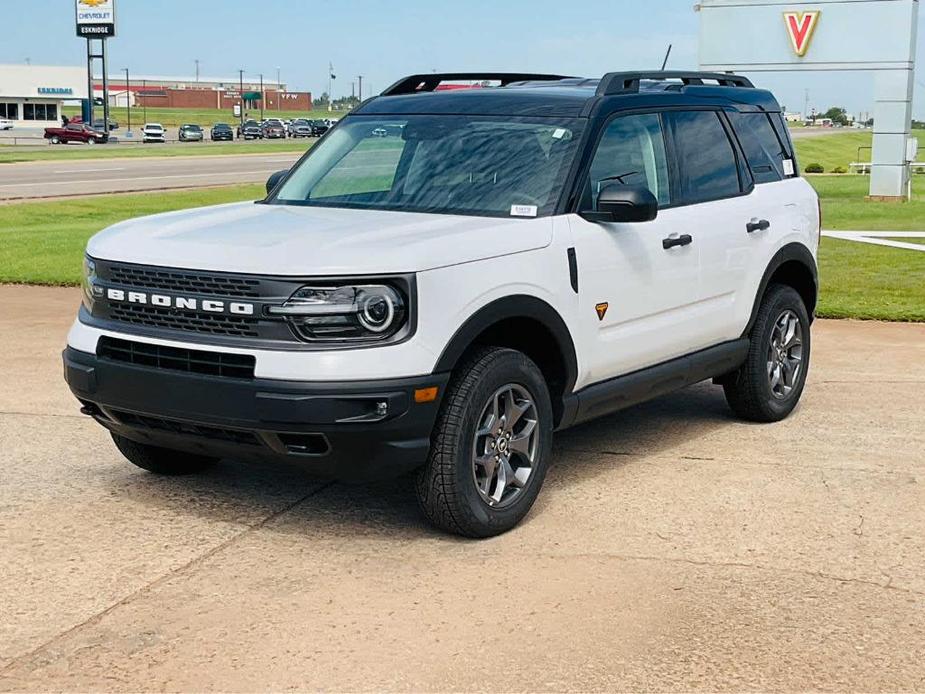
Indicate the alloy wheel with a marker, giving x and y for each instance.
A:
(505, 446)
(785, 354)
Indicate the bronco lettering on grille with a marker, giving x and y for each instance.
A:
(181, 303)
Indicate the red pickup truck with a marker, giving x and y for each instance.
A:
(75, 132)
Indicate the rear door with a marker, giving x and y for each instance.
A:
(714, 191)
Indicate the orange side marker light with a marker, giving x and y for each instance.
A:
(425, 394)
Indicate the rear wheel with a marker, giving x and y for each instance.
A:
(161, 461)
(768, 385)
(55, 140)
(490, 447)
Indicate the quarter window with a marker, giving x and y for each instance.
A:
(631, 153)
(707, 163)
(763, 149)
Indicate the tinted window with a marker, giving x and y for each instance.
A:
(706, 160)
(763, 150)
(631, 152)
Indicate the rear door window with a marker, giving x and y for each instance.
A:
(763, 148)
(708, 167)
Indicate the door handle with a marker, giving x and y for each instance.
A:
(672, 241)
(757, 225)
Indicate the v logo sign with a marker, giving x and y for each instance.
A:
(800, 28)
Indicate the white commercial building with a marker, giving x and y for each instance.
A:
(32, 95)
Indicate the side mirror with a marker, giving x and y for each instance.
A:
(619, 203)
(274, 180)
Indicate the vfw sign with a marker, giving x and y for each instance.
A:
(800, 28)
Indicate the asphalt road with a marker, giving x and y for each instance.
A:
(672, 548)
(88, 176)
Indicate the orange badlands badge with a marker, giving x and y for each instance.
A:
(601, 310)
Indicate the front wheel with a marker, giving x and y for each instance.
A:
(768, 385)
(55, 140)
(490, 447)
(161, 461)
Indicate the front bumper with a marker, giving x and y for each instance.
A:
(336, 430)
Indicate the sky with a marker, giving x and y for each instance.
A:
(386, 40)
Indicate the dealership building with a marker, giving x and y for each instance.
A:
(32, 95)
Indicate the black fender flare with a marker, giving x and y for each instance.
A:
(514, 306)
(791, 252)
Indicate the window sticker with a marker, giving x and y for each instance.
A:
(523, 210)
(788, 167)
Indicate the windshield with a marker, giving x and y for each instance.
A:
(498, 166)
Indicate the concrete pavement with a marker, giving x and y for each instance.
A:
(103, 176)
(672, 548)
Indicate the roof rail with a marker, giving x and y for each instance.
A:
(628, 82)
(414, 84)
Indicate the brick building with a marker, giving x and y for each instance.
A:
(202, 93)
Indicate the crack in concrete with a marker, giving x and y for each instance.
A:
(758, 567)
(194, 562)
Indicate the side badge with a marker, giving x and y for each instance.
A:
(601, 310)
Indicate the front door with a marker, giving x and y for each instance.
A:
(638, 298)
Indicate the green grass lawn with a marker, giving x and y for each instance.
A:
(43, 243)
(839, 149)
(844, 207)
(186, 149)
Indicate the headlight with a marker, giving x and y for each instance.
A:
(88, 280)
(366, 312)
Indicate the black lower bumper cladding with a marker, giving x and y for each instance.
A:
(351, 430)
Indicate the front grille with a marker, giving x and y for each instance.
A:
(176, 359)
(184, 282)
(172, 426)
(204, 323)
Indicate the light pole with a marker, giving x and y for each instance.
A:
(197, 70)
(128, 102)
(241, 99)
(144, 101)
(360, 87)
(261, 97)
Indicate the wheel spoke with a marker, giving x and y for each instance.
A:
(517, 411)
(503, 468)
(776, 376)
(521, 442)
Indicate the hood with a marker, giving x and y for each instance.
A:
(291, 240)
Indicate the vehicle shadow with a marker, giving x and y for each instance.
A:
(288, 498)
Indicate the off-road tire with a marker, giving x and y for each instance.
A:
(748, 390)
(446, 487)
(161, 461)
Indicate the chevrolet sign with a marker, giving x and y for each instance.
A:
(96, 18)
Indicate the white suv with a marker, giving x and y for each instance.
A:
(503, 263)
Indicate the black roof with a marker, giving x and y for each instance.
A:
(560, 96)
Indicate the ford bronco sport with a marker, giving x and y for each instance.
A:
(449, 276)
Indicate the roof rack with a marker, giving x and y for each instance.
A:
(628, 82)
(414, 84)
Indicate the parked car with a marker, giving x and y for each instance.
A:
(99, 124)
(250, 130)
(190, 132)
(6, 124)
(75, 132)
(221, 131)
(273, 128)
(153, 132)
(300, 127)
(573, 250)
(319, 128)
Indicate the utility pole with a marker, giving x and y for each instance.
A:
(279, 84)
(128, 102)
(806, 105)
(197, 70)
(360, 90)
(262, 95)
(144, 101)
